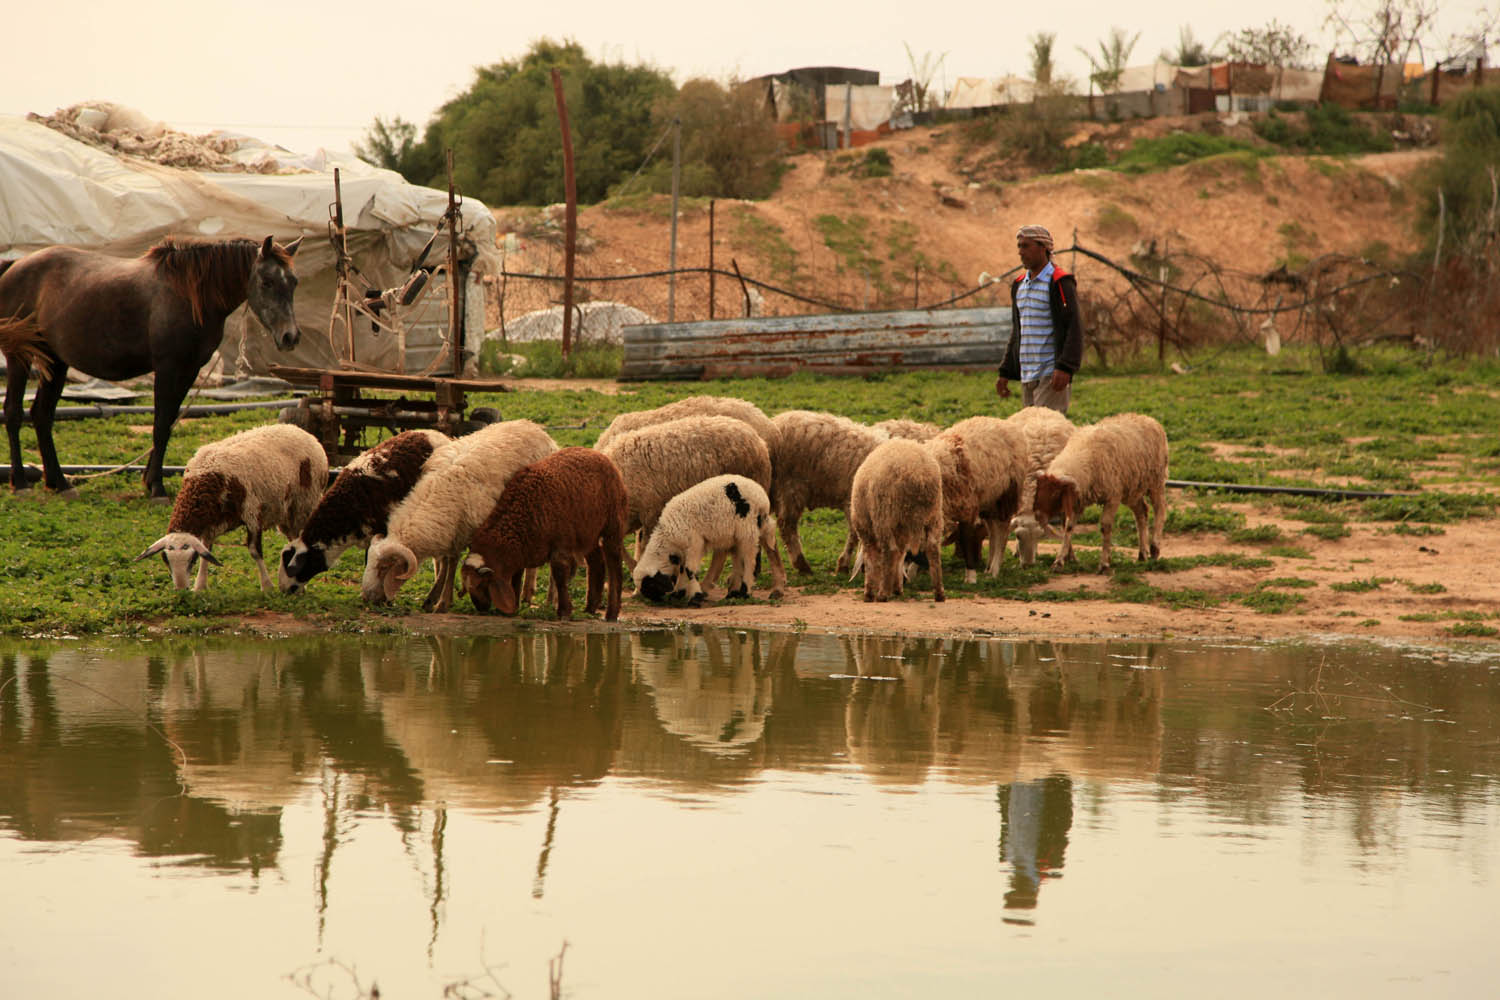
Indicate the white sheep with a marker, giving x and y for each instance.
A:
(912, 430)
(1120, 460)
(719, 515)
(1046, 432)
(895, 508)
(997, 458)
(813, 466)
(358, 505)
(265, 477)
(693, 406)
(459, 486)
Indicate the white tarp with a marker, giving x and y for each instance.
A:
(979, 92)
(57, 190)
(869, 104)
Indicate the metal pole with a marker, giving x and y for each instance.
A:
(672, 255)
(455, 283)
(341, 266)
(711, 204)
(570, 215)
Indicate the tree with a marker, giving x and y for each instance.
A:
(1383, 33)
(507, 146)
(1276, 45)
(922, 73)
(1041, 58)
(729, 144)
(1114, 53)
(1190, 51)
(389, 144)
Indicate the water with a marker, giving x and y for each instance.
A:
(734, 814)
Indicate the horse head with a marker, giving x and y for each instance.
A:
(272, 282)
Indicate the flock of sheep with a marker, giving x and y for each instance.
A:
(705, 476)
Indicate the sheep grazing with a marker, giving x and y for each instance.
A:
(912, 430)
(896, 507)
(357, 505)
(266, 477)
(1120, 460)
(660, 461)
(1046, 432)
(996, 453)
(720, 515)
(693, 406)
(569, 506)
(813, 466)
(458, 489)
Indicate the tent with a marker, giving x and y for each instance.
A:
(106, 178)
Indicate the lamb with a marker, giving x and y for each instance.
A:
(896, 507)
(569, 505)
(997, 456)
(454, 496)
(1121, 459)
(1046, 432)
(912, 430)
(722, 514)
(813, 466)
(265, 477)
(660, 461)
(358, 505)
(693, 406)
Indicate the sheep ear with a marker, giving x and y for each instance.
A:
(152, 549)
(203, 551)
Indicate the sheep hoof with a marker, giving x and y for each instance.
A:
(803, 566)
(939, 596)
(776, 595)
(697, 600)
(971, 576)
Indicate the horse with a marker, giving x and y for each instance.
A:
(115, 319)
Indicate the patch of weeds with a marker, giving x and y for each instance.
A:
(544, 359)
(1270, 602)
(1472, 629)
(1417, 530)
(768, 241)
(1360, 586)
(1257, 534)
(873, 162)
(1291, 582)
(1203, 517)
(1369, 623)
(1423, 616)
(1327, 532)
(1426, 588)
(1225, 560)
(1140, 592)
(1432, 507)
(1114, 222)
(1294, 235)
(1289, 552)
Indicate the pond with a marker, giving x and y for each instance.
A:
(660, 814)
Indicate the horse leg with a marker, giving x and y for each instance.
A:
(171, 390)
(17, 371)
(43, 408)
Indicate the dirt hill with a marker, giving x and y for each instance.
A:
(947, 212)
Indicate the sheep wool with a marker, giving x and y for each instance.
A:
(997, 455)
(693, 406)
(1120, 460)
(725, 514)
(912, 430)
(358, 504)
(896, 507)
(813, 467)
(569, 506)
(1046, 432)
(459, 486)
(265, 477)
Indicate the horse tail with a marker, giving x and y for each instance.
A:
(21, 340)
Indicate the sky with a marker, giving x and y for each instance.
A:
(311, 74)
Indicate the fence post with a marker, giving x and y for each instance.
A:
(711, 203)
(570, 213)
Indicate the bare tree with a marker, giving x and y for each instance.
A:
(1276, 45)
(1383, 33)
(1114, 53)
(922, 72)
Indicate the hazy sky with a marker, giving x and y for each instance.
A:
(309, 74)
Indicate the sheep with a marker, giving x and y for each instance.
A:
(457, 491)
(1121, 459)
(358, 505)
(569, 505)
(660, 461)
(720, 514)
(1046, 432)
(896, 507)
(912, 430)
(693, 406)
(265, 477)
(813, 466)
(997, 457)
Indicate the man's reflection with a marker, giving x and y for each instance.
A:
(1034, 821)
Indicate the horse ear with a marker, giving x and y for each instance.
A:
(291, 248)
(267, 247)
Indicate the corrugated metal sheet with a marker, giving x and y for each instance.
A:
(836, 343)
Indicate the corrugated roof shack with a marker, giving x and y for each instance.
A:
(829, 344)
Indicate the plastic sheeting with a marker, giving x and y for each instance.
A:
(57, 190)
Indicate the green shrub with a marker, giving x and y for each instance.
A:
(1174, 150)
(544, 359)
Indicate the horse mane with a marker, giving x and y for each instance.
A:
(213, 274)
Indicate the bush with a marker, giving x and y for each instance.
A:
(1175, 150)
(544, 359)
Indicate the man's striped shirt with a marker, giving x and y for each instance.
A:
(1038, 352)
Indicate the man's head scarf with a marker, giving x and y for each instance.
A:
(1038, 233)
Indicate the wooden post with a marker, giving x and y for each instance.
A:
(342, 308)
(570, 213)
(455, 282)
(711, 203)
(745, 289)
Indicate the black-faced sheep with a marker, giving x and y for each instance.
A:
(660, 461)
(996, 453)
(1046, 432)
(720, 515)
(457, 491)
(358, 505)
(266, 477)
(569, 506)
(813, 466)
(693, 406)
(896, 507)
(1120, 460)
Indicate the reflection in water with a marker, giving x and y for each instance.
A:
(292, 763)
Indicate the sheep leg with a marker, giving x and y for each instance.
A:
(614, 579)
(935, 564)
(201, 583)
(778, 571)
(715, 567)
(793, 542)
(1142, 528)
(253, 539)
(1106, 530)
(440, 597)
(528, 587)
(894, 572)
(872, 571)
(1158, 516)
(562, 572)
(1065, 551)
(595, 561)
(999, 534)
(846, 556)
(745, 547)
